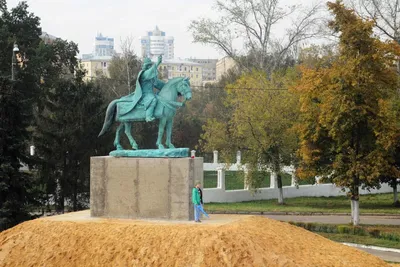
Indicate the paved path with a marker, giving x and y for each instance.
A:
(387, 255)
(337, 219)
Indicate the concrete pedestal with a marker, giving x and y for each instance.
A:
(158, 188)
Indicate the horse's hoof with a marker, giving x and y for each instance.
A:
(135, 147)
(149, 119)
(170, 146)
(119, 147)
(160, 146)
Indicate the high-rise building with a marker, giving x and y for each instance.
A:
(103, 47)
(156, 43)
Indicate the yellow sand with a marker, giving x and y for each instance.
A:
(251, 241)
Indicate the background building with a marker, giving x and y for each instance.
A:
(103, 47)
(96, 64)
(156, 43)
(48, 38)
(172, 68)
(223, 65)
(209, 67)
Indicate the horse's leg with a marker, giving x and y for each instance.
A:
(169, 132)
(161, 127)
(128, 127)
(117, 137)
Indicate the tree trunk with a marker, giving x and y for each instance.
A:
(75, 193)
(395, 193)
(355, 207)
(128, 76)
(280, 193)
(355, 212)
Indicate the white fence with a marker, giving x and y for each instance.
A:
(220, 194)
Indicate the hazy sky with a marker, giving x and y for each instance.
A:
(81, 20)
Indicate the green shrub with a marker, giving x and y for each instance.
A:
(374, 232)
(390, 236)
(343, 229)
(358, 230)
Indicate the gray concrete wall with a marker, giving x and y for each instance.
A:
(158, 188)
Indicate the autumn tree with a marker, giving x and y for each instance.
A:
(346, 128)
(263, 114)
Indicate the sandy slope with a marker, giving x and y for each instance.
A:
(252, 241)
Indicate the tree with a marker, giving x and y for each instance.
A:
(263, 114)
(124, 69)
(346, 127)
(65, 138)
(385, 14)
(16, 186)
(254, 21)
(391, 175)
(22, 27)
(318, 56)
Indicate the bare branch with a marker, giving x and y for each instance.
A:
(252, 20)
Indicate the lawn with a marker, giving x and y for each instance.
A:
(376, 203)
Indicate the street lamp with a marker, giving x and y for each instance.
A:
(14, 61)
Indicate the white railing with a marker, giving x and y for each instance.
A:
(220, 194)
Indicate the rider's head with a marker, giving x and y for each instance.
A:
(146, 63)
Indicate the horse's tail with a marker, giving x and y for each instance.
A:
(108, 120)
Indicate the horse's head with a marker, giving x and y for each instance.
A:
(184, 89)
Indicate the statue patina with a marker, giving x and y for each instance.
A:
(144, 105)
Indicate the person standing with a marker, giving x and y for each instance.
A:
(196, 202)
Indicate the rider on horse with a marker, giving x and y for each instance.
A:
(146, 82)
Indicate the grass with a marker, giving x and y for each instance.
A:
(372, 235)
(374, 203)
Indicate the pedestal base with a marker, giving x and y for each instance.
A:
(152, 153)
(158, 188)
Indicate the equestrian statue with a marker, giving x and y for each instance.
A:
(145, 105)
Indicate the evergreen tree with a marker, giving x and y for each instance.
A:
(15, 185)
(65, 138)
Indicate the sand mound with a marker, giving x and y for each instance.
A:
(252, 241)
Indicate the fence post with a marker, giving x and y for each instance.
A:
(273, 180)
(238, 157)
(246, 182)
(294, 179)
(220, 178)
(193, 154)
(215, 156)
